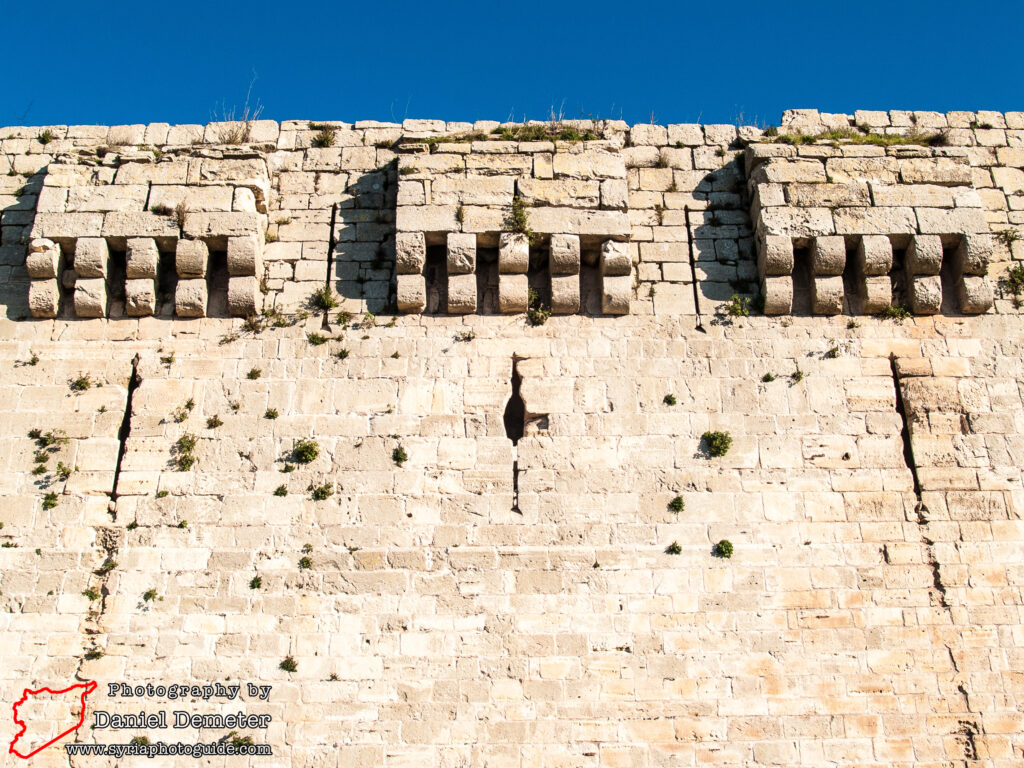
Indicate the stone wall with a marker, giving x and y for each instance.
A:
(511, 528)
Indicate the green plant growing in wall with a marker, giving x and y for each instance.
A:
(677, 504)
(723, 549)
(669, 400)
(718, 443)
(895, 312)
(320, 492)
(270, 413)
(80, 383)
(254, 373)
(305, 451)
(325, 137)
(256, 582)
(536, 313)
(288, 665)
(738, 306)
(673, 549)
(323, 298)
(399, 456)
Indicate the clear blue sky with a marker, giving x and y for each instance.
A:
(189, 62)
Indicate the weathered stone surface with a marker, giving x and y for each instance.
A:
(243, 295)
(223, 224)
(973, 254)
(191, 258)
(827, 295)
(924, 256)
(190, 298)
(143, 259)
(91, 257)
(614, 194)
(580, 221)
(412, 293)
(974, 294)
(513, 293)
(245, 255)
(513, 253)
(615, 259)
(778, 295)
(589, 165)
(139, 224)
(140, 297)
(461, 294)
(950, 171)
(925, 294)
(796, 222)
(43, 260)
(43, 298)
(941, 221)
(875, 293)
(616, 293)
(461, 253)
(874, 255)
(774, 255)
(91, 297)
(565, 294)
(410, 253)
(427, 218)
(67, 225)
(565, 255)
(788, 171)
(875, 221)
(828, 255)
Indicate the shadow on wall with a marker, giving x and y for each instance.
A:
(18, 194)
(362, 269)
(724, 258)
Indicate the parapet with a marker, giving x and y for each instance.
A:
(825, 214)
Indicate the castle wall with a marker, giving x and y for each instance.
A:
(517, 592)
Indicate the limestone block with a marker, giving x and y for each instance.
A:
(565, 294)
(875, 293)
(974, 294)
(245, 256)
(787, 221)
(616, 293)
(43, 260)
(190, 258)
(942, 221)
(778, 295)
(775, 255)
(513, 253)
(242, 293)
(953, 171)
(43, 298)
(190, 298)
(565, 255)
(140, 297)
(244, 200)
(223, 224)
(925, 293)
(461, 253)
(461, 294)
(874, 221)
(91, 257)
(410, 254)
(973, 255)
(551, 220)
(91, 297)
(143, 258)
(138, 224)
(615, 259)
(874, 255)
(827, 295)
(924, 256)
(786, 171)
(828, 256)
(513, 293)
(614, 194)
(412, 293)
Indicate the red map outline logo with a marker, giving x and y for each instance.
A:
(87, 687)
